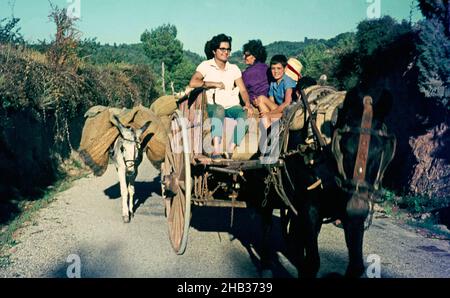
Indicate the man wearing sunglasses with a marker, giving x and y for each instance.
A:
(223, 82)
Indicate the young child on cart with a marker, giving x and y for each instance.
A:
(282, 90)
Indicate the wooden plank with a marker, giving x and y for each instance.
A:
(233, 164)
(220, 203)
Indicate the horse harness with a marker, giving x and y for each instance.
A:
(358, 182)
(359, 173)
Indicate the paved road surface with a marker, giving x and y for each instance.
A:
(86, 221)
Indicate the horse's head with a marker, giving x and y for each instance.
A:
(363, 149)
(130, 144)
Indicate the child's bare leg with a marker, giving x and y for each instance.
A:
(216, 144)
(270, 104)
(231, 149)
(265, 105)
(275, 117)
(263, 108)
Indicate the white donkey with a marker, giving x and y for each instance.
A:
(127, 156)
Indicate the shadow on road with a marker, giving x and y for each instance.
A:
(247, 229)
(143, 191)
(102, 262)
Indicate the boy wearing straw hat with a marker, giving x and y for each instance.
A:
(285, 73)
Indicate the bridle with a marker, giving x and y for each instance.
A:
(357, 184)
(137, 146)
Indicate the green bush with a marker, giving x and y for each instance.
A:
(42, 108)
(422, 203)
(389, 196)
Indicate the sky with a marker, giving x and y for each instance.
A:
(123, 21)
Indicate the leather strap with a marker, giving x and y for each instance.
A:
(359, 174)
(316, 131)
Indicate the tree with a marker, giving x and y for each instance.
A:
(323, 57)
(433, 61)
(163, 49)
(317, 60)
(437, 9)
(88, 48)
(182, 74)
(9, 32)
(63, 50)
(378, 34)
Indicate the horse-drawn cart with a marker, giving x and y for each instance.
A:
(190, 177)
(311, 161)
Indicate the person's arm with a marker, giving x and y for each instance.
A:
(244, 94)
(286, 103)
(198, 82)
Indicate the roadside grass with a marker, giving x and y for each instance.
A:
(417, 211)
(429, 228)
(28, 209)
(5, 261)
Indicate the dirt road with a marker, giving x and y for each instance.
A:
(85, 224)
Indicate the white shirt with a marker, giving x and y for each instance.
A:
(228, 97)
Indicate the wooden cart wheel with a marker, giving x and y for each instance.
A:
(177, 184)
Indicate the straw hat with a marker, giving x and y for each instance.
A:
(294, 69)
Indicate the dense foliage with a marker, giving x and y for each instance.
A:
(433, 48)
(161, 45)
(44, 92)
